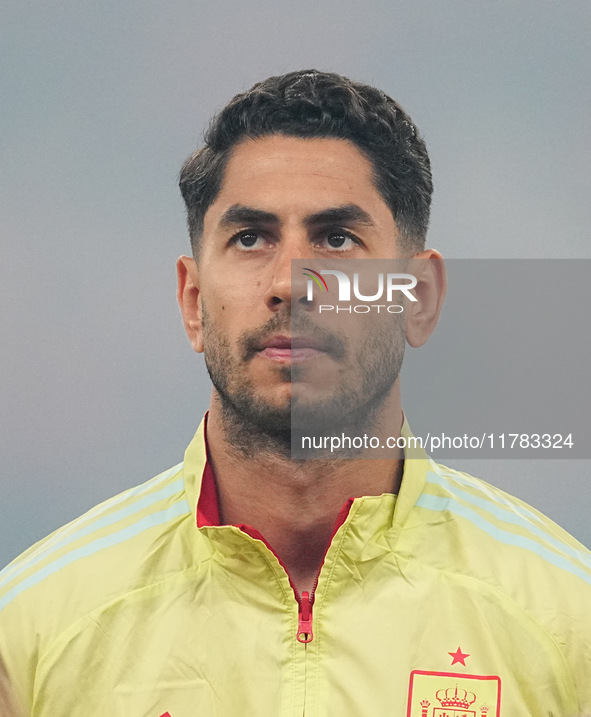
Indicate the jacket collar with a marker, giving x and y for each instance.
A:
(201, 489)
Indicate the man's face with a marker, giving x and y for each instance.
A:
(286, 198)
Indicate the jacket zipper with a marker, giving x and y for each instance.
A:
(305, 633)
(305, 600)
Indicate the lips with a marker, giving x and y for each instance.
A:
(291, 348)
(293, 342)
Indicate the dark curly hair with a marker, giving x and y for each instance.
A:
(309, 103)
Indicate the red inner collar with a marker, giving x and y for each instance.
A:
(208, 510)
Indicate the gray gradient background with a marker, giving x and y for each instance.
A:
(101, 103)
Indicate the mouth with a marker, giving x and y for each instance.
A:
(291, 349)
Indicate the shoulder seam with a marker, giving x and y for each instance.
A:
(553, 551)
(179, 508)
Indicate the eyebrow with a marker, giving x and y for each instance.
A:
(346, 214)
(238, 214)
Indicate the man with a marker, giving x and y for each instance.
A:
(244, 582)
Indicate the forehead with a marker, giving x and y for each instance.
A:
(278, 172)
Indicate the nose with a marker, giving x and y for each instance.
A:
(288, 284)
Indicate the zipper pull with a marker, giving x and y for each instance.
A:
(305, 633)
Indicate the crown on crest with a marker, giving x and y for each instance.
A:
(455, 698)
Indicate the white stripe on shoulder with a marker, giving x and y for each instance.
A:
(493, 493)
(91, 521)
(503, 509)
(449, 504)
(509, 513)
(178, 509)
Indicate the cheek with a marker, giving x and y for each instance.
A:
(231, 292)
(371, 336)
(217, 301)
(225, 321)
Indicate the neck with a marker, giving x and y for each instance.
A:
(294, 503)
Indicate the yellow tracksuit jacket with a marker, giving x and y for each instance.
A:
(451, 599)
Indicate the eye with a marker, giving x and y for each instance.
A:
(246, 240)
(341, 240)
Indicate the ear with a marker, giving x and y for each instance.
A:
(189, 299)
(422, 315)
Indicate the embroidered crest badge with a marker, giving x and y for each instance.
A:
(450, 694)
